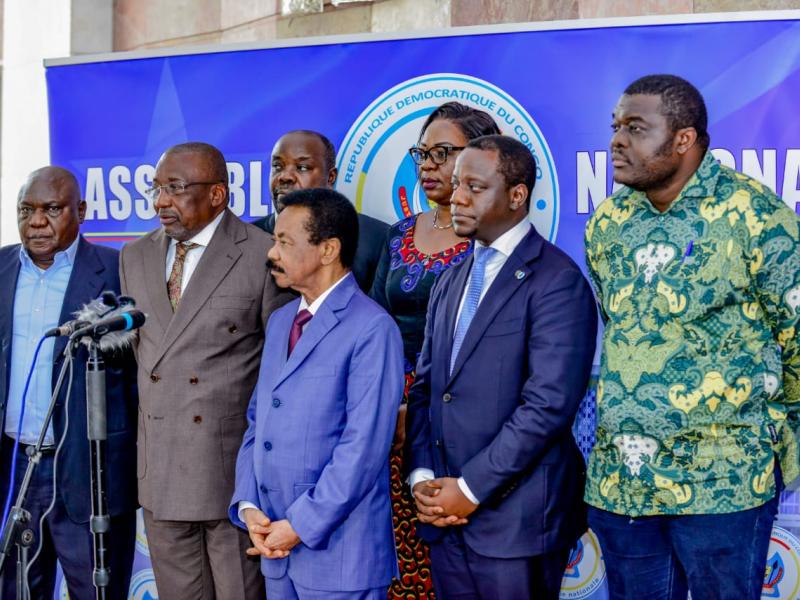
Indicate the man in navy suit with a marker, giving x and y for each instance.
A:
(42, 283)
(304, 159)
(510, 335)
(312, 475)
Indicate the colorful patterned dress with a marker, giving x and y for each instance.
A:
(402, 286)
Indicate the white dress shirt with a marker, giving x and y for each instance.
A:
(504, 245)
(312, 308)
(202, 239)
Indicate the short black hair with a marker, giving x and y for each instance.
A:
(681, 103)
(514, 160)
(332, 216)
(472, 122)
(212, 154)
(330, 149)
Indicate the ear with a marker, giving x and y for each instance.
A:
(331, 250)
(517, 196)
(685, 139)
(81, 211)
(332, 174)
(217, 195)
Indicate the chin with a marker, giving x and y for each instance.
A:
(464, 232)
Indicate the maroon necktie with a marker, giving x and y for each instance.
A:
(300, 319)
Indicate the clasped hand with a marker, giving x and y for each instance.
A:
(441, 502)
(271, 539)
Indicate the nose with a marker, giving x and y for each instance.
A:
(458, 197)
(160, 200)
(618, 139)
(272, 253)
(287, 175)
(38, 219)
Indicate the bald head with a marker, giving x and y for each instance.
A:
(49, 213)
(213, 161)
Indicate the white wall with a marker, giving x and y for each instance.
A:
(32, 31)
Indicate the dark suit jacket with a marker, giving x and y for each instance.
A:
(503, 419)
(95, 270)
(371, 237)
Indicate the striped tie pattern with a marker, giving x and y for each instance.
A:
(482, 256)
(176, 275)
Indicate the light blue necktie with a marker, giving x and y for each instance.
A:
(482, 256)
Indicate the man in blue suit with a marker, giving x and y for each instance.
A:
(42, 283)
(312, 475)
(510, 334)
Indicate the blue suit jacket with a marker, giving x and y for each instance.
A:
(95, 270)
(503, 419)
(316, 450)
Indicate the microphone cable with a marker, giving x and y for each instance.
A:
(7, 507)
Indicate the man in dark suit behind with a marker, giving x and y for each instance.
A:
(42, 283)
(307, 159)
(510, 334)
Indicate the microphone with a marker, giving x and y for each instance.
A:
(67, 329)
(115, 336)
(126, 321)
(100, 307)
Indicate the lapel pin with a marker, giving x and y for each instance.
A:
(519, 274)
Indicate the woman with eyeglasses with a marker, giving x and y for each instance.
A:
(418, 249)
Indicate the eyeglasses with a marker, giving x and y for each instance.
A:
(438, 153)
(174, 188)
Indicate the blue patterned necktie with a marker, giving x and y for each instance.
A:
(481, 257)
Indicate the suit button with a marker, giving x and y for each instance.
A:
(267, 446)
(233, 329)
(198, 419)
(194, 380)
(263, 488)
(155, 378)
(446, 397)
(276, 403)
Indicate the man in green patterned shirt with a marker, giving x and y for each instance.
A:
(696, 268)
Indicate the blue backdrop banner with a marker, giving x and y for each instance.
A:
(552, 89)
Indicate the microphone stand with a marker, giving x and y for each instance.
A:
(97, 432)
(18, 528)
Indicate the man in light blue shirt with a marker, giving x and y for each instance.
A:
(43, 281)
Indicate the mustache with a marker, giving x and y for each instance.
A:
(273, 267)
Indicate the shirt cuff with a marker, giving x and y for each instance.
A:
(418, 475)
(462, 485)
(243, 506)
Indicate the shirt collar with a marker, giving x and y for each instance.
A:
(701, 184)
(507, 243)
(61, 258)
(203, 237)
(314, 307)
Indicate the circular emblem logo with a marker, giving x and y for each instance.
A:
(141, 535)
(782, 575)
(378, 175)
(585, 571)
(143, 586)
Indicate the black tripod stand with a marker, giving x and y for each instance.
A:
(17, 528)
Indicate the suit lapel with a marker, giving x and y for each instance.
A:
(451, 302)
(323, 322)
(217, 260)
(503, 287)
(155, 261)
(85, 284)
(9, 271)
